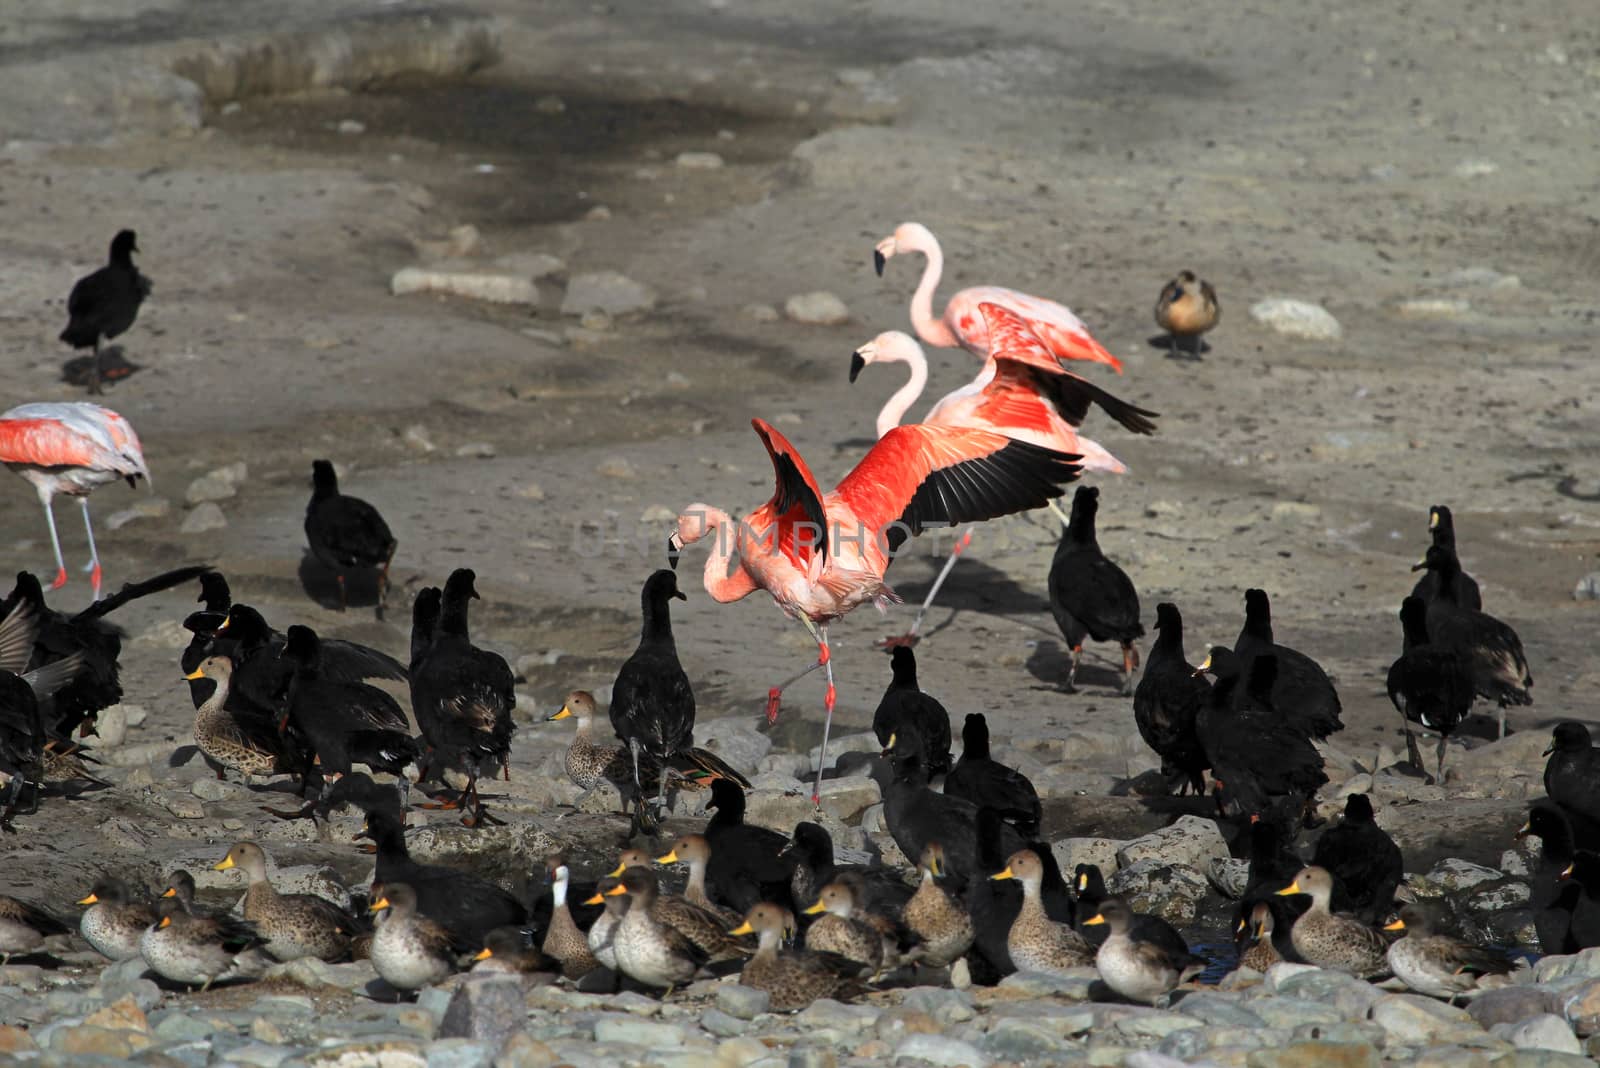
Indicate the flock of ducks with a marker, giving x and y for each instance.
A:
(986, 894)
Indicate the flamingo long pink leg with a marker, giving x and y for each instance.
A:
(825, 658)
(94, 554)
(910, 637)
(45, 498)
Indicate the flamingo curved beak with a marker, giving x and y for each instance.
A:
(878, 260)
(857, 362)
(674, 550)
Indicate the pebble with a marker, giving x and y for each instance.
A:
(1588, 588)
(217, 485)
(1296, 318)
(492, 287)
(606, 291)
(819, 308)
(1191, 841)
(203, 517)
(1474, 168)
(1433, 308)
(699, 161)
(1546, 1031)
(742, 1002)
(416, 436)
(352, 126)
(760, 313)
(615, 467)
(149, 508)
(937, 1049)
(621, 1027)
(476, 450)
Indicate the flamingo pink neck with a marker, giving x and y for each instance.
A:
(894, 409)
(725, 577)
(930, 328)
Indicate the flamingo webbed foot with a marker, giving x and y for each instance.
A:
(774, 703)
(908, 640)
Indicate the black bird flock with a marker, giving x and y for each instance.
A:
(986, 896)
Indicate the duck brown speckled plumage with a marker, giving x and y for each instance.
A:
(294, 925)
(563, 941)
(114, 921)
(837, 930)
(935, 916)
(409, 950)
(237, 739)
(648, 949)
(793, 978)
(695, 851)
(1434, 963)
(1036, 942)
(1141, 962)
(1328, 940)
(1261, 954)
(197, 949)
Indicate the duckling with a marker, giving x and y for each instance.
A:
(237, 739)
(1429, 684)
(409, 950)
(648, 949)
(24, 927)
(1261, 954)
(1036, 942)
(1339, 943)
(1491, 649)
(194, 949)
(836, 930)
(294, 925)
(984, 781)
(563, 941)
(1554, 899)
(1442, 532)
(1301, 691)
(114, 921)
(793, 978)
(507, 952)
(1572, 773)
(936, 916)
(1433, 963)
(695, 851)
(602, 933)
(1090, 596)
(1364, 861)
(1187, 307)
(1167, 700)
(346, 533)
(1142, 962)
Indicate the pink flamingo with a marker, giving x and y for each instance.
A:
(70, 448)
(820, 556)
(1062, 332)
(1022, 392)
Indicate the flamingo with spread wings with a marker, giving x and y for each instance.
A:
(821, 556)
(1022, 392)
(70, 448)
(1062, 332)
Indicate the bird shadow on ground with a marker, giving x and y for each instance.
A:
(1050, 661)
(1188, 348)
(322, 585)
(114, 367)
(975, 586)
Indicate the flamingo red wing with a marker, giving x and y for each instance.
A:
(44, 443)
(795, 500)
(1011, 337)
(919, 476)
(1013, 400)
(1023, 364)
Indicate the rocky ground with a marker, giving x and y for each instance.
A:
(653, 196)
